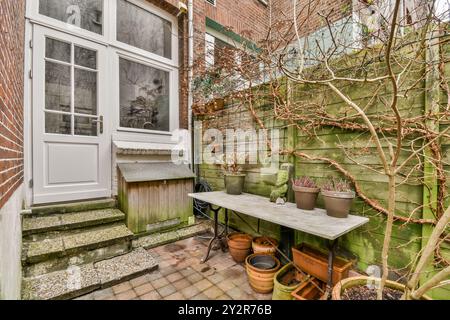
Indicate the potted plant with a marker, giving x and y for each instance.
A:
(365, 288)
(234, 179)
(306, 192)
(338, 197)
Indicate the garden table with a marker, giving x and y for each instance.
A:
(315, 222)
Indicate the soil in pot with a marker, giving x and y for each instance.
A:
(306, 198)
(356, 288)
(338, 204)
(261, 270)
(265, 245)
(239, 245)
(234, 183)
(364, 293)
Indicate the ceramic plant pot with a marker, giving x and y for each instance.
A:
(306, 197)
(340, 287)
(261, 269)
(315, 262)
(239, 245)
(312, 289)
(234, 183)
(338, 204)
(285, 282)
(265, 245)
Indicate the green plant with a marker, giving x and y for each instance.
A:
(305, 182)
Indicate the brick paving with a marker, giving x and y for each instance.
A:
(182, 276)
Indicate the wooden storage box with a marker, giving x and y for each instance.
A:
(154, 196)
(315, 262)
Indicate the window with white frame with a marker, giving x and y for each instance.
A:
(221, 51)
(143, 55)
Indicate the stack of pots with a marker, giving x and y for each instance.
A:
(261, 270)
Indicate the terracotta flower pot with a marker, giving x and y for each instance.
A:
(265, 245)
(315, 262)
(234, 183)
(239, 245)
(338, 204)
(306, 197)
(340, 287)
(261, 269)
(313, 289)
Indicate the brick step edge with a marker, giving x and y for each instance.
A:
(76, 281)
(62, 222)
(162, 238)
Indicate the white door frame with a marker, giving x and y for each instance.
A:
(43, 190)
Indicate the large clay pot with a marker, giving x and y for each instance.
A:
(239, 245)
(282, 291)
(265, 245)
(234, 183)
(305, 198)
(338, 204)
(261, 269)
(315, 262)
(363, 280)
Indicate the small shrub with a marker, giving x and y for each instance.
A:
(304, 182)
(337, 185)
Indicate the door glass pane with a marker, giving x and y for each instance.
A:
(85, 91)
(144, 97)
(57, 50)
(85, 57)
(85, 14)
(57, 123)
(143, 29)
(85, 126)
(57, 87)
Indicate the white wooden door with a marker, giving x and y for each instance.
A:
(71, 131)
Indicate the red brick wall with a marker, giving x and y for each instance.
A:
(12, 13)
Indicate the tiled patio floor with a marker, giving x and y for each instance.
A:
(181, 276)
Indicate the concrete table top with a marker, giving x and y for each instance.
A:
(315, 222)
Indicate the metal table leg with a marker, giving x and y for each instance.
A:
(217, 236)
(331, 253)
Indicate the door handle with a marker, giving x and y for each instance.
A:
(99, 121)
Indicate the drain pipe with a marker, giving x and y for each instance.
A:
(190, 78)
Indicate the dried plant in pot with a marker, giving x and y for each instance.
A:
(338, 197)
(306, 192)
(234, 179)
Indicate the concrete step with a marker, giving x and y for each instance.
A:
(73, 207)
(79, 280)
(68, 221)
(46, 246)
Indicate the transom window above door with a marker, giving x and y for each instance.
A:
(84, 14)
(144, 30)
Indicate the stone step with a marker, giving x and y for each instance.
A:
(42, 247)
(68, 221)
(79, 280)
(73, 207)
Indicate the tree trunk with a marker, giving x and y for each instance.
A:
(387, 236)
